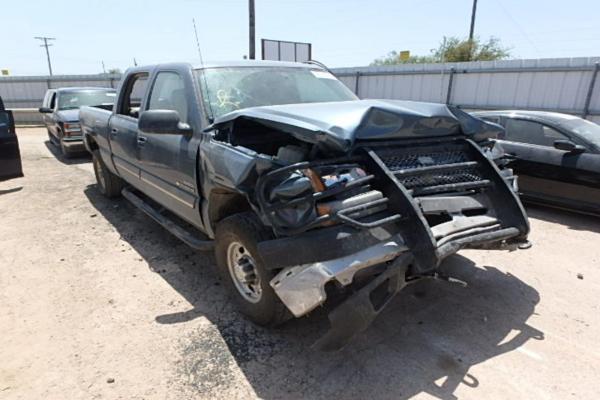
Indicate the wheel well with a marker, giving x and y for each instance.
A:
(224, 204)
(91, 143)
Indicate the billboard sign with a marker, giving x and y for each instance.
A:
(282, 50)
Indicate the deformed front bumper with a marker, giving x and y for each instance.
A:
(302, 288)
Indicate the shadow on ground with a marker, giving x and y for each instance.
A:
(570, 219)
(425, 341)
(77, 158)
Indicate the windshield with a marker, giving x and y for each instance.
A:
(234, 88)
(74, 100)
(586, 129)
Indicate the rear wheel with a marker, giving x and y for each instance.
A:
(243, 271)
(109, 184)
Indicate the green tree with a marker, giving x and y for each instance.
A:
(454, 49)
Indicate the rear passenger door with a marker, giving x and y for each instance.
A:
(122, 129)
(167, 161)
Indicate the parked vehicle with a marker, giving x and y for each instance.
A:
(10, 157)
(299, 186)
(557, 157)
(60, 109)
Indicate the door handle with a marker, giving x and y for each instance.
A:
(114, 131)
(142, 140)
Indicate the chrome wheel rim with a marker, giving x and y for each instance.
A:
(244, 275)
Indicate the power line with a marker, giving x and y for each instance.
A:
(46, 45)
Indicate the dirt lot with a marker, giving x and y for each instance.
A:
(92, 291)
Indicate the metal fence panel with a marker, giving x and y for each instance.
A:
(560, 84)
(25, 94)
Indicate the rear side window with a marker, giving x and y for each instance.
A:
(522, 131)
(135, 87)
(168, 93)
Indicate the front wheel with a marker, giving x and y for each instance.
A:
(243, 271)
(109, 184)
(64, 150)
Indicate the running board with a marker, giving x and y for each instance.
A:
(197, 243)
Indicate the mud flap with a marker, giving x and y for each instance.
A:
(356, 313)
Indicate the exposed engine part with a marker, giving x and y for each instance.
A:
(332, 207)
(291, 154)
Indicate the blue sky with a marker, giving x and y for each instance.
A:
(343, 33)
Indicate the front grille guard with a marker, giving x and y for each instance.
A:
(269, 208)
(457, 167)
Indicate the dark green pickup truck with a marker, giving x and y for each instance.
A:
(300, 187)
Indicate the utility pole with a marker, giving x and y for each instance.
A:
(472, 30)
(46, 45)
(251, 22)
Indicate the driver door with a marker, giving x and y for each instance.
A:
(168, 161)
(10, 157)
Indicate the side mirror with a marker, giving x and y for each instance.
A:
(567, 145)
(45, 110)
(163, 122)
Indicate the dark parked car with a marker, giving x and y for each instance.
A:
(60, 110)
(557, 157)
(10, 157)
(300, 187)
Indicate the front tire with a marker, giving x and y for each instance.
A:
(109, 184)
(65, 151)
(243, 271)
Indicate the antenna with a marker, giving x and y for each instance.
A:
(211, 118)
(198, 42)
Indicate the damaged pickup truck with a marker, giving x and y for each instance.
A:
(302, 189)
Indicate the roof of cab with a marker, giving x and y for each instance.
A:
(256, 63)
(83, 88)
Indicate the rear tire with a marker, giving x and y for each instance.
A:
(109, 184)
(239, 234)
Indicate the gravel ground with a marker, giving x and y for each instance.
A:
(99, 302)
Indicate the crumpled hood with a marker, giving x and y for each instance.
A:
(68, 115)
(340, 124)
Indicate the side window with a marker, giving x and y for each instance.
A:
(135, 87)
(168, 93)
(522, 131)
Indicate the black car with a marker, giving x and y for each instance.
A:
(60, 109)
(557, 157)
(10, 158)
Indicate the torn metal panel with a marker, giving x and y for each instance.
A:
(302, 288)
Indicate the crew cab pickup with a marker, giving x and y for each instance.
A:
(300, 187)
(60, 112)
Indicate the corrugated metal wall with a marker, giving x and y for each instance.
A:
(547, 84)
(24, 94)
(561, 84)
